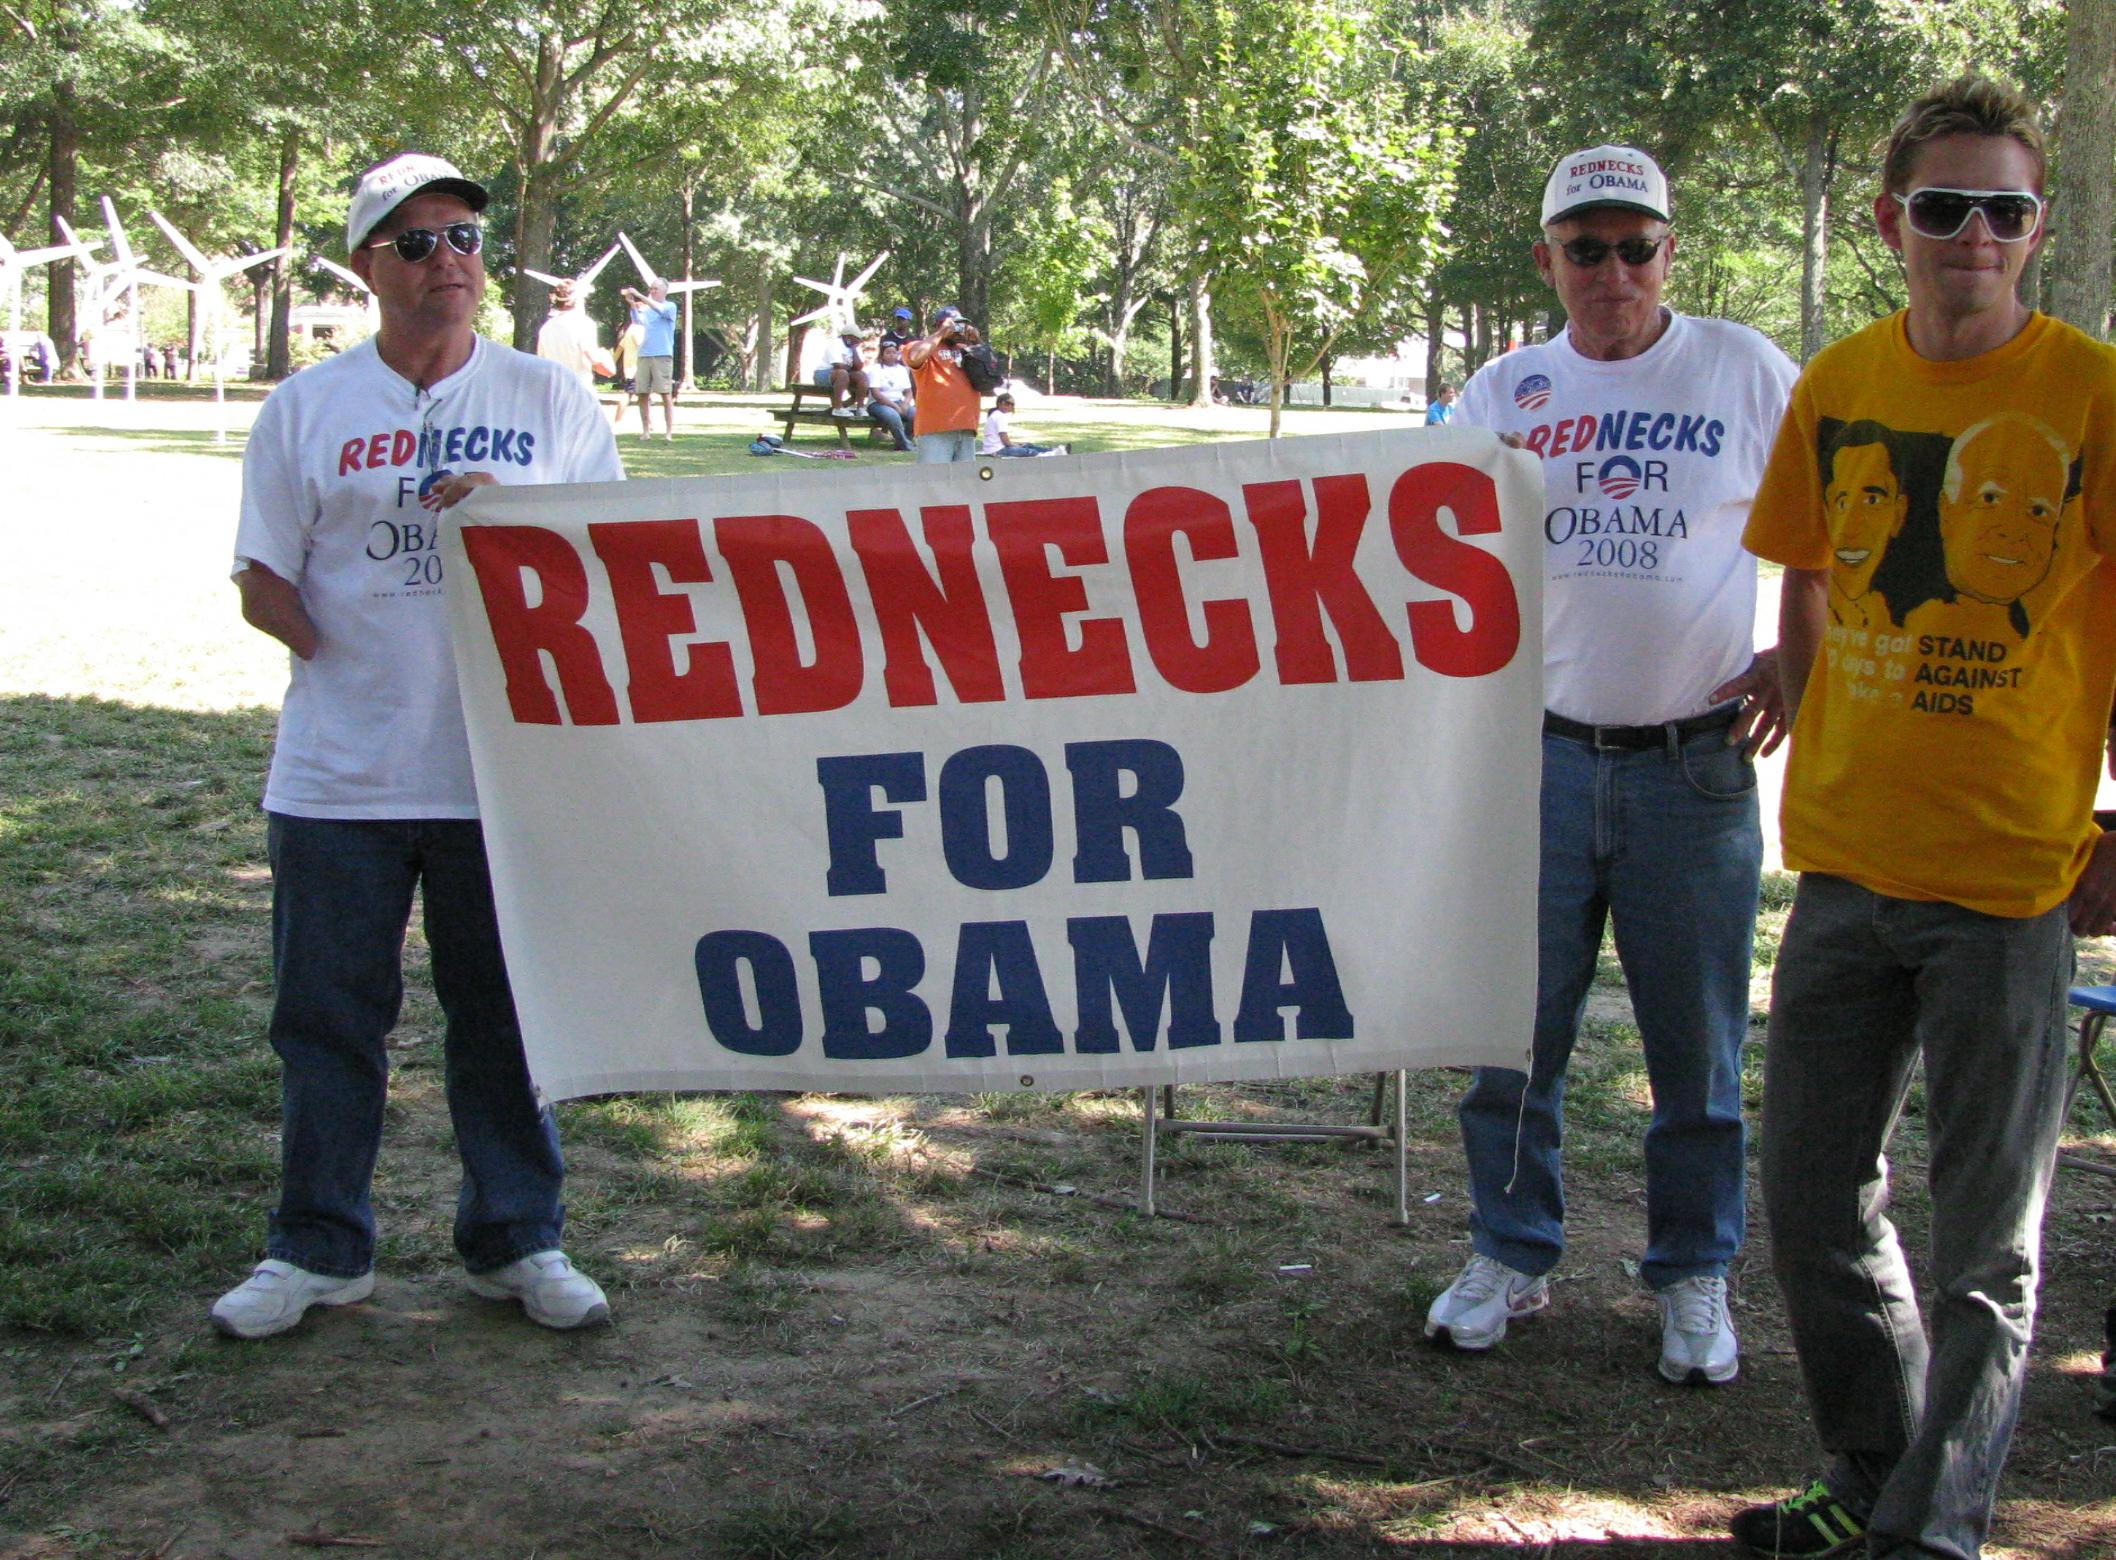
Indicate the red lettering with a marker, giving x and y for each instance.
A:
(349, 455)
(1583, 431)
(377, 450)
(1558, 436)
(1299, 578)
(402, 444)
(950, 609)
(1539, 438)
(1227, 657)
(1023, 533)
(1468, 572)
(502, 557)
(754, 547)
(649, 618)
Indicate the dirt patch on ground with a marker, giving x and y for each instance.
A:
(912, 1394)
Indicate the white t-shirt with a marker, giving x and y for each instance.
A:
(1649, 464)
(890, 379)
(568, 338)
(994, 439)
(341, 453)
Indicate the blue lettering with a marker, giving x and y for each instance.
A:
(851, 820)
(1715, 431)
(1292, 941)
(1635, 433)
(719, 958)
(1101, 813)
(475, 446)
(503, 444)
(1000, 952)
(524, 446)
(1177, 968)
(1663, 425)
(454, 445)
(966, 821)
(849, 993)
(1609, 433)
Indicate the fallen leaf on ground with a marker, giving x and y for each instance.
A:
(1076, 1473)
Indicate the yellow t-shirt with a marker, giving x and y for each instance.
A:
(1949, 743)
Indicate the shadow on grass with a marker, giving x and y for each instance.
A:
(165, 441)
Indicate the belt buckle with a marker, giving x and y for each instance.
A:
(1602, 746)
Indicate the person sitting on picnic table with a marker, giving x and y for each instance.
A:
(997, 441)
(889, 399)
(843, 372)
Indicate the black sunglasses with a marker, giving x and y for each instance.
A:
(1587, 253)
(415, 244)
(2009, 215)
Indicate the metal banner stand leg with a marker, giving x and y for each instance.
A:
(1165, 1119)
(1146, 1157)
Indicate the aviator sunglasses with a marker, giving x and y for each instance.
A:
(415, 244)
(1587, 253)
(2009, 215)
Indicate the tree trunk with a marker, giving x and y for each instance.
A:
(1201, 342)
(1327, 362)
(973, 271)
(260, 289)
(279, 356)
(1814, 234)
(795, 336)
(59, 320)
(191, 337)
(683, 348)
(2084, 212)
(536, 217)
(760, 364)
(1175, 348)
(1435, 341)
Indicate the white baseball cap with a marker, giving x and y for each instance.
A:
(388, 185)
(1619, 176)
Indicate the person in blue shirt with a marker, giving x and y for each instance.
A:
(1441, 408)
(656, 375)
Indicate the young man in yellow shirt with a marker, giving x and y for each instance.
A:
(1939, 807)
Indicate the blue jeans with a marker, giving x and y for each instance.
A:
(893, 420)
(1864, 986)
(1667, 844)
(941, 449)
(341, 899)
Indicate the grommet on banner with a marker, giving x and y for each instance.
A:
(984, 473)
(1027, 1082)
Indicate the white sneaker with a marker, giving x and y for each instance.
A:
(552, 1290)
(1696, 1336)
(1474, 1311)
(274, 1297)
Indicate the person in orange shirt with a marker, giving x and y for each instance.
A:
(1939, 808)
(947, 401)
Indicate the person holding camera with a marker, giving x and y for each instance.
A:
(948, 400)
(656, 317)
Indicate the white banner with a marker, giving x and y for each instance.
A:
(1174, 766)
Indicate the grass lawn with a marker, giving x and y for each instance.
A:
(846, 1325)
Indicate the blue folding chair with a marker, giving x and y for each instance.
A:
(2097, 1006)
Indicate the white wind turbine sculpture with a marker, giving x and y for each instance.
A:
(114, 294)
(215, 318)
(685, 287)
(352, 279)
(584, 283)
(15, 264)
(840, 298)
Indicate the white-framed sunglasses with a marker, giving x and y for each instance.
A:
(413, 245)
(1934, 212)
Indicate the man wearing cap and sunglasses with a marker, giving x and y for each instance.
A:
(1939, 809)
(1653, 429)
(370, 796)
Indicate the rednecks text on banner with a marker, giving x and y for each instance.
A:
(805, 645)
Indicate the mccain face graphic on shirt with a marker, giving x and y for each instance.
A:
(405, 545)
(1623, 465)
(1944, 554)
